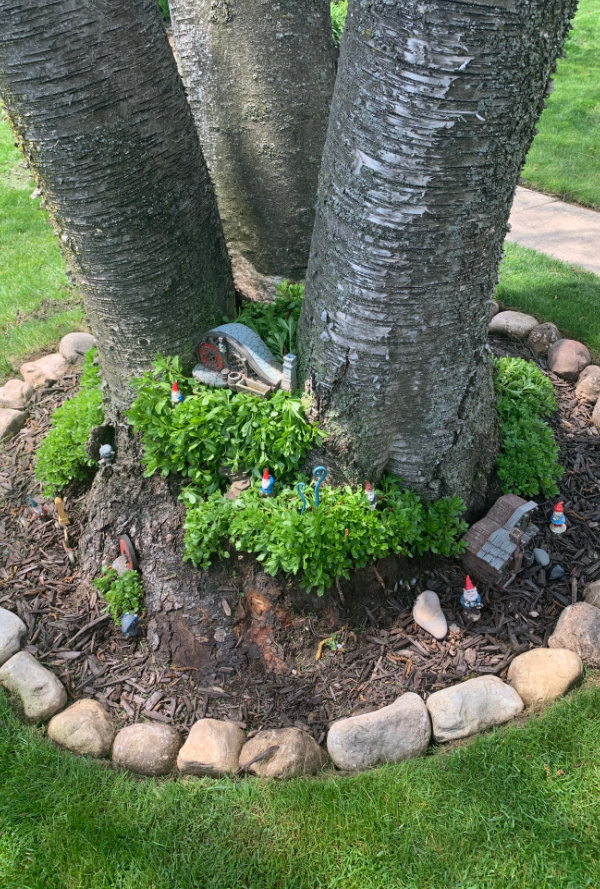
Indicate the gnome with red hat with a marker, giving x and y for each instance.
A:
(266, 488)
(176, 394)
(558, 521)
(471, 600)
(371, 495)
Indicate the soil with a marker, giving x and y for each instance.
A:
(233, 643)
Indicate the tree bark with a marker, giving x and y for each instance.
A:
(433, 112)
(96, 103)
(259, 75)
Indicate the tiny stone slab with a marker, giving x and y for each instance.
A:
(578, 629)
(516, 325)
(428, 614)
(542, 337)
(212, 748)
(543, 674)
(45, 371)
(588, 384)
(84, 728)
(394, 733)
(471, 707)
(10, 422)
(40, 694)
(567, 358)
(288, 753)
(147, 749)
(15, 394)
(12, 630)
(591, 593)
(73, 346)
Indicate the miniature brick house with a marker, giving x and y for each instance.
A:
(233, 355)
(495, 544)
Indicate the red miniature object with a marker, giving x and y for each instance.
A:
(266, 488)
(470, 599)
(176, 396)
(128, 552)
(558, 521)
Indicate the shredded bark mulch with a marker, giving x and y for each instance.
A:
(245, 646)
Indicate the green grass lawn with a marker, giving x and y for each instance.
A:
(565, 156)
(518, 808)
(37, 307)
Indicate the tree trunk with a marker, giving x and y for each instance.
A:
(97, 105)
(433, 112)
(259, 76)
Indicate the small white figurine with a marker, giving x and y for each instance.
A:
(558, 521)
(107, 455)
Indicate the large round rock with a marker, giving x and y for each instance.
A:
(147, 749)
(212, 748)
(591, 593)
(84, 728)
(15, 394)
(73, 346)
(38, 692)
(12, 630)
(567, 358)
(578, 629)
(543, 674)
(282, 753)
(396, 732)
(471, 707)
(516, 325)
(45, 371)
(588, 384)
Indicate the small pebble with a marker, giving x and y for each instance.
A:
(541, 557)
(556, 572)
(534, 614)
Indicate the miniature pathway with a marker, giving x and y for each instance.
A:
(564, 231)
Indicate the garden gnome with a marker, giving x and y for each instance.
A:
(371, 495)
(268, 482)
(558, 522)
(176, 395)
(471, 600)
(38, 508)
(107, 455)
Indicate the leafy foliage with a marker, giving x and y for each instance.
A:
(62, 456)
(276, 323)
(163, 5)
(215, 427)
(339, 11)
(122, 593)
(324, 543)
(528, 462)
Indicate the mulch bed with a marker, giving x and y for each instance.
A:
(245, 648)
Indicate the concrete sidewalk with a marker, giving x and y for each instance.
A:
(561, 230)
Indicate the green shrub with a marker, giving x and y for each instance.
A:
(163, 5)
(528, 460)
(276, 323)
(324, 543)
(62, 457)
(215, 427)
(339, 11)
(122, 593)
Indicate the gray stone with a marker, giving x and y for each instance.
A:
(541, 557)
(10, 422)
(494, 309)
(567, 358)
(578, 629)
(542, 337)
(556, 572)
(84, 728)
(45, 371)
(15, 394)
(543, 674)
(12, 630)
(73, 346)
(591, 593)
(396, 732)
(588, 384)
(289, 753)
(428, 614)
(471, 707)
(212, 748)
(38, 692)
(147, 749)
(516, 325)
(120, 565)
(596, 415)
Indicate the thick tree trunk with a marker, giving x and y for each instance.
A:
(259, 75)
(434, 110)
(95, 100)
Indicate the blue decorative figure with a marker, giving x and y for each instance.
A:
(301, 487)
(320, 473)
(267, 484)
(130, 625)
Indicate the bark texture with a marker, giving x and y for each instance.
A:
(433, 112)
(259, 75)
(97, 105)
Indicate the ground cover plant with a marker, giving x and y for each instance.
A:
(37, 305)
(62, 456)
(339, 11)
(123, 593)
(276, 323)
(565, 156)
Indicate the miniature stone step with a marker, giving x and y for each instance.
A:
(10, 422)
(15, 394)
(45, 371)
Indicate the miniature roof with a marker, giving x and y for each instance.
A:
(260, 354)
(498, 548)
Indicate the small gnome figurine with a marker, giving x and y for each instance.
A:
(471, 600)
(107, 455)
(38, 508)
(371, 495)
(267, 484)
(558, 521)
(176, 395)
